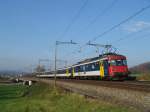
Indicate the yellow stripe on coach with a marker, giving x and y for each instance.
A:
(101, 69)
(67, 72)
(73, 72)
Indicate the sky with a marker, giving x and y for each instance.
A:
(30, 28)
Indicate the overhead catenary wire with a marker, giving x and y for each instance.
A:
(131, 35)
(138, 37)
(105, 10)
(73, 20)
(102, 13)
(117, 25)
(122, 22)
(143, 36)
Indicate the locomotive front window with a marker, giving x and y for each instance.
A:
(118, 62)
(124, 62)
(112, 62)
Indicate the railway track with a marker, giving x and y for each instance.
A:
(130, 85)
(142, 86)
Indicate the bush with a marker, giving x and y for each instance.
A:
(144, 76)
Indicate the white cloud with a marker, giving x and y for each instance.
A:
(136, 26)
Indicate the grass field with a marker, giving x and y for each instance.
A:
(144, 76)
(41, 98)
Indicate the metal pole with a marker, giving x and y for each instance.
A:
(65, 63)
(56, 45)
(55, 64)
(39, 62)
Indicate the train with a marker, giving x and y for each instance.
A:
(109, 66)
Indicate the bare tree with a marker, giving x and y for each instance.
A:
(40, 68)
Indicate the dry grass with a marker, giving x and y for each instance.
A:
(144, 76)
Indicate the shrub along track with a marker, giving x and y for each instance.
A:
(126, 93)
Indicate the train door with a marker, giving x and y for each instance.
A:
(101, 69)
(67, 72)
(73, 72)
(106, 67)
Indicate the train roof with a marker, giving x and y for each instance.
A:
(93, 59)
(99, 57)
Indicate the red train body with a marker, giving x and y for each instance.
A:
(117, 66)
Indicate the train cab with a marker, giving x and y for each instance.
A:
(117, 66)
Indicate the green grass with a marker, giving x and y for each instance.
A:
(144, 76)
(41, 98)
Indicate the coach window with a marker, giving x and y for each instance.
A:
(75, 69)
(87, 68)
(83, 67)
(69, 70)
(78, 68)
(61, 71)
(93, 66)
(96, 65)
(64, 71)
